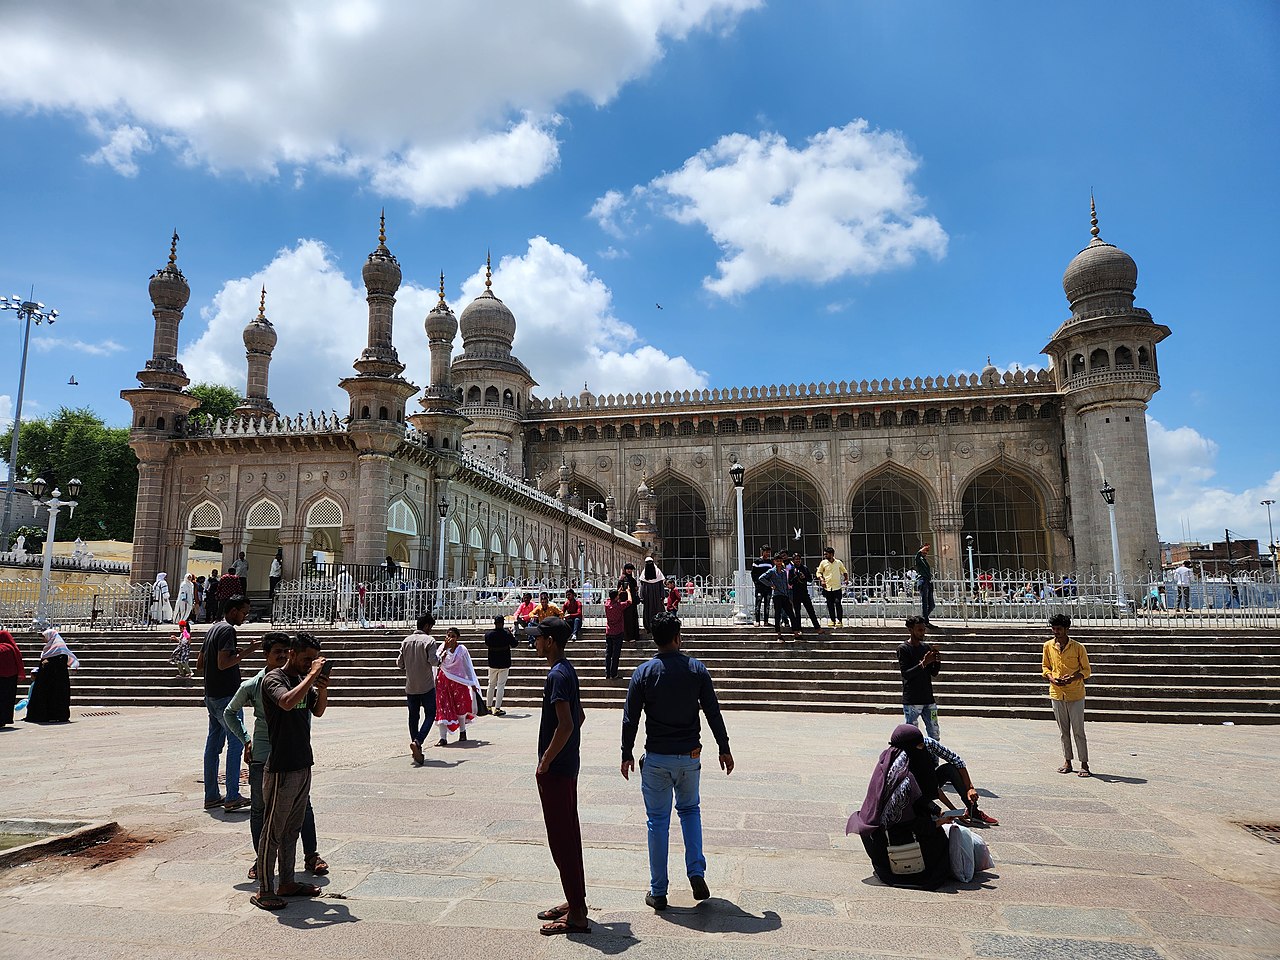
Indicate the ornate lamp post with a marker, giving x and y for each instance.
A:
(28, 311)
(973, 581)
(442, 508)
(739, 474)
(54, 504)
(582, 564)
(1109, 495)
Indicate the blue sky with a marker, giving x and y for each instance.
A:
(812, 191)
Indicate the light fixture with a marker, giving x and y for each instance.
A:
(738, 472)
(39, 486)
(443, 508)
(74, 487)
(1108, 493)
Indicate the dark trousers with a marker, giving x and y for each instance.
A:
(947, 773)
(1184, 598)
(271, 590)
(800, 597)
(8, 694)
(286, 796)
(926, 598)
(763, 595)
(782, 613)
(559, 796)
(420, 728)
(258, 807)
(612, 654)
(835, 604)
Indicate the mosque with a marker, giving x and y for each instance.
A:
(495, 482)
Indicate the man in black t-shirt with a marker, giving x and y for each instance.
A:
(219, 662)
(291, 695)
(919, 663)
(759, 567)
(499, 641)
(559, 740)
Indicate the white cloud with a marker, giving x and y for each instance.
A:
(423, 101)
(566, 331)
(843, 205)
(122, 146)
(103, 348)
(1187, 498)
(611, 212)
(6, 413)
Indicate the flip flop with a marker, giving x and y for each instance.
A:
(562, 926)
(555, 913)
(265, 901)
(1065, 768)
(301, 890)
(1084, 773)
(317, 865)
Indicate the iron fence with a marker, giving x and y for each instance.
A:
(71, 605)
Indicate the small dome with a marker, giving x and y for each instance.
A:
(642, 491)
(259, 334)
(990, 374)
(1100, 268)
(441, 324)
(168, 287)
(565, 472)
(382, 270)
(584, 398)
(486, 317)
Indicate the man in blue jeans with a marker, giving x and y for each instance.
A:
(219, 660)
(669, 690)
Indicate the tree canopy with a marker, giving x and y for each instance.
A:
(217, 402)
(77, 443)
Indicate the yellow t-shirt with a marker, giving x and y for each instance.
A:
(832, 573)
(1069, 660)
(541, 613)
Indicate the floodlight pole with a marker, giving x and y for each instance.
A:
(28, 311)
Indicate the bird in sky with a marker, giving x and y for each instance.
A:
(73, 382)
(658, 305)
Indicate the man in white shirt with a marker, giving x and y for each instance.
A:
(418, 659)
(1182, 576)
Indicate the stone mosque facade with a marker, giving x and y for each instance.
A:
(1006, 465)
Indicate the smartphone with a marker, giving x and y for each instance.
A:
(327, 668)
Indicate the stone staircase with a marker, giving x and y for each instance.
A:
(989, 671)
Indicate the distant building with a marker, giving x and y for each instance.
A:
(1217, 559)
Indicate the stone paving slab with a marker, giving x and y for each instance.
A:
(1143, 862)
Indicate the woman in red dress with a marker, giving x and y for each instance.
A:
(456, 688)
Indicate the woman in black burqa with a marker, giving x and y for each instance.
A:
(50, 699)
(653, 592)
(631, 616)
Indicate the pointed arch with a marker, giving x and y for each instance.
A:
(402, 517)
(324, 511)
(890, 513)
(205, 516)
(780, 499)
(475, 539)
(455, 533)
(1004, 508)
(680, 508)
(495, 544)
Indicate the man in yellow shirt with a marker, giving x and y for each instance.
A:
(833, 576)
(1066, 666)
(545, 609)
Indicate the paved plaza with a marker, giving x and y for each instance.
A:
(1143, 861)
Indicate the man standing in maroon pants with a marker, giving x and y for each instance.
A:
(559, 743)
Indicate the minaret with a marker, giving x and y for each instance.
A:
(1104, 361)
(160, 410)
(259, 342)
(378, 394)
(440, 422)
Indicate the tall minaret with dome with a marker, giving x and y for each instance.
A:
(492, 384)
(1104, 360)
(259, 342)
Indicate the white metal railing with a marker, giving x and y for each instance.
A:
(84, 605)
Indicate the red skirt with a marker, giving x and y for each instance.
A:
(453, 701)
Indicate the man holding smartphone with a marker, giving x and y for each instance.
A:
(919, 663)
(292, 694)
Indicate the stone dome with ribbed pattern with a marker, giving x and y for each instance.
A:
(1100, 267)
(487, 318)
(441, 324)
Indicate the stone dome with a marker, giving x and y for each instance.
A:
(487, 318)
(168, 287)
(382, 270)
(990, 374)
(1100, 268)
(441, 324)
(259, 334)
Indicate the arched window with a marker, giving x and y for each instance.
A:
(1003, 513)
(888, 419)
(866, 421)
(264, 515)
(1046, 411)
(491, 395)
(207, 516)
(382, 413)
(610, 432)
(910, 418)
(782, 509)
(508, 398)
(628, 431)
(445, 443)
(473, 395)
(589, 433)
(1099, 360)
(978, 415)
(1077, 364)
(666, 430)
(459, 392)
(1124, 358)
(160, 424)
(686, 428)
(821, 421)
(325, 512)
(1000, 413)
(750, 425)
(553, 435)
(727, 426)
(533, 436)
(682, 524)
(890, 514)
(706, 428)
(844, 421)
(570, 433)
(932, 415)
(774, 424)
(955, 415)
(646, 430)
(1144, 358)
(1025, 411)
(797, 423)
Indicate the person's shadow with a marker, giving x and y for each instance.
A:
(718, 915)
(314, 913)
(606, 938)
(981, 881)
(469, 744)
(1113, 778)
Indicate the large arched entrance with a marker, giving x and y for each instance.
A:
(590, 499)
(890, 514)
(682, 524)
(784, 510)
(1004, 514)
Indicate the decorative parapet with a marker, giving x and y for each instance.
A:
(308, 423)
(896, 389)
(1119, 375)
(491, 410)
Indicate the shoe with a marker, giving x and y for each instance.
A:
(442, 742)
(499, 712)
(700, 890)
(416, 749)
(210, 804)
(831, 623)
(238, 803)
(658, 902)
(989, 821)
(462, 738)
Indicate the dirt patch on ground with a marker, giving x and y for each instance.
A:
(119, 846)
(88, 853)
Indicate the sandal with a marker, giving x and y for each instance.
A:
(442, 742)
(267, 901)
(315, 864)
(557, 927)
(1065, 768)
(253, 872)
(555, 913)
(300, 890)
(1084, 772)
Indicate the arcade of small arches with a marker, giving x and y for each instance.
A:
(729, 425)
(1108, 357)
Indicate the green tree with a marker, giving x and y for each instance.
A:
(77, 443)
(217, 402)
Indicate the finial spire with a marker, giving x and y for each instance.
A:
(988, 359)
(382, 227)
(1093, 215)
(442, 286)
(262, 304)
(488, 270)
(173, 248)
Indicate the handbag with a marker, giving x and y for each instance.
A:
(482, 708)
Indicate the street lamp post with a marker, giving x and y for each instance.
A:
(1109, 495)
(973, 581)
(1271, 542)
(582, 564)
(442, 508)
(28, 311)
(738, 472)
(54, 504)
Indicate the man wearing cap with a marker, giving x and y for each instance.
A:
(670, 689)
